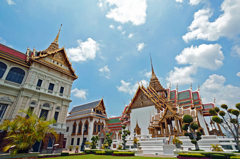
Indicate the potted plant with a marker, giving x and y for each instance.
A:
(24, 131)
(135, 141)
(178, 144)
(216, 147)
(70, 148)
(76, 149)
(87, 143)
(139, 145)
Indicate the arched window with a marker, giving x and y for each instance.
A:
(3, 68)
(50, 143)
(15, 75)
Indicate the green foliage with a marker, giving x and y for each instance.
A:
(124, 126)
(216, 147)
(109, 152)
(107, 141)
(194, 126)
(234, 121)
(64, 154)
(70, 147)
(229, 110)
(24, 131)
(123, 153)
(218, 156)
(119, 147)
(217, 109)
(224, 106)
(191, 155)
(216, 119)
(100, 152)
(120, 132)
(199, 133)
(222, 113)
(238, 106)
(194, 141)
(186, 134)
(94, 142)
(212, 112)
(198, 138)
(235, 112)
(187, 118)
(235, 157)
(185, 127)
(176, 140)
(197, 150)
(87, 151)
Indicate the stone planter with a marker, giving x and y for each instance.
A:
(20, 156)
(177, 151)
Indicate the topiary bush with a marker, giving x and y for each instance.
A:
(218, 156)
(123, 154)
(64, 154)
(191, 154)
(229, 120)
(190, 130)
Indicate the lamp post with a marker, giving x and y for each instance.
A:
(82, 146)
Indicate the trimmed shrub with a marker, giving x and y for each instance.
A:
(100, 153)
(191, 155)
(123, 154)
(226, 155)
(109, 152)
(197, 150)
(235, 157)
(87, 151)
(218, 156)
(64, 154)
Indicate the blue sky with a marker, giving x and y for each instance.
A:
(109, 41)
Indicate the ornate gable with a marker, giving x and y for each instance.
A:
(101, 106)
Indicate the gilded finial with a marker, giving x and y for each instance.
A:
(191, 86)
(214, 100)
(198, 87)
(153, 74)
(177, 86)
(170, 86)
(56, 39)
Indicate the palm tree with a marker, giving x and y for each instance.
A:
(23, 132)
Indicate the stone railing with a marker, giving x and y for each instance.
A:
(12, 83)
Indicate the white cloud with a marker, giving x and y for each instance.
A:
(123, 32)
(227, 24)
(111, 26)
(118, 58)
(80, 93)
(182, 75)
(236, 50)
(119, 27)
(140, 46)
(145, 73)
(127, 87)
(238, 74)
(113, 116)
(84, 51)
(194, 2)
(105, 71)
(179, 1)
(204, 56)
(130, 35)
(10, 2)
(127, 11)
(224, 94)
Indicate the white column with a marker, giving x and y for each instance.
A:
(19, 103)
(65, 115)
(6, 73)
(52, 112)
(37, 109)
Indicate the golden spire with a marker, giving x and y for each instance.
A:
(56, 39)
(153, 74)
(54, 45)
(154, 80)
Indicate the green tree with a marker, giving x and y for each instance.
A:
(108, 140)
(94, 141)
(229, 119)
(124, 134)
(190, 127)
(23, 132)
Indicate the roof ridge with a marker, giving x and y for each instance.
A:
(12, 48)
(87, 103)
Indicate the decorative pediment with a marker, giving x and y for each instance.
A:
(101, 106)
(6, 100)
